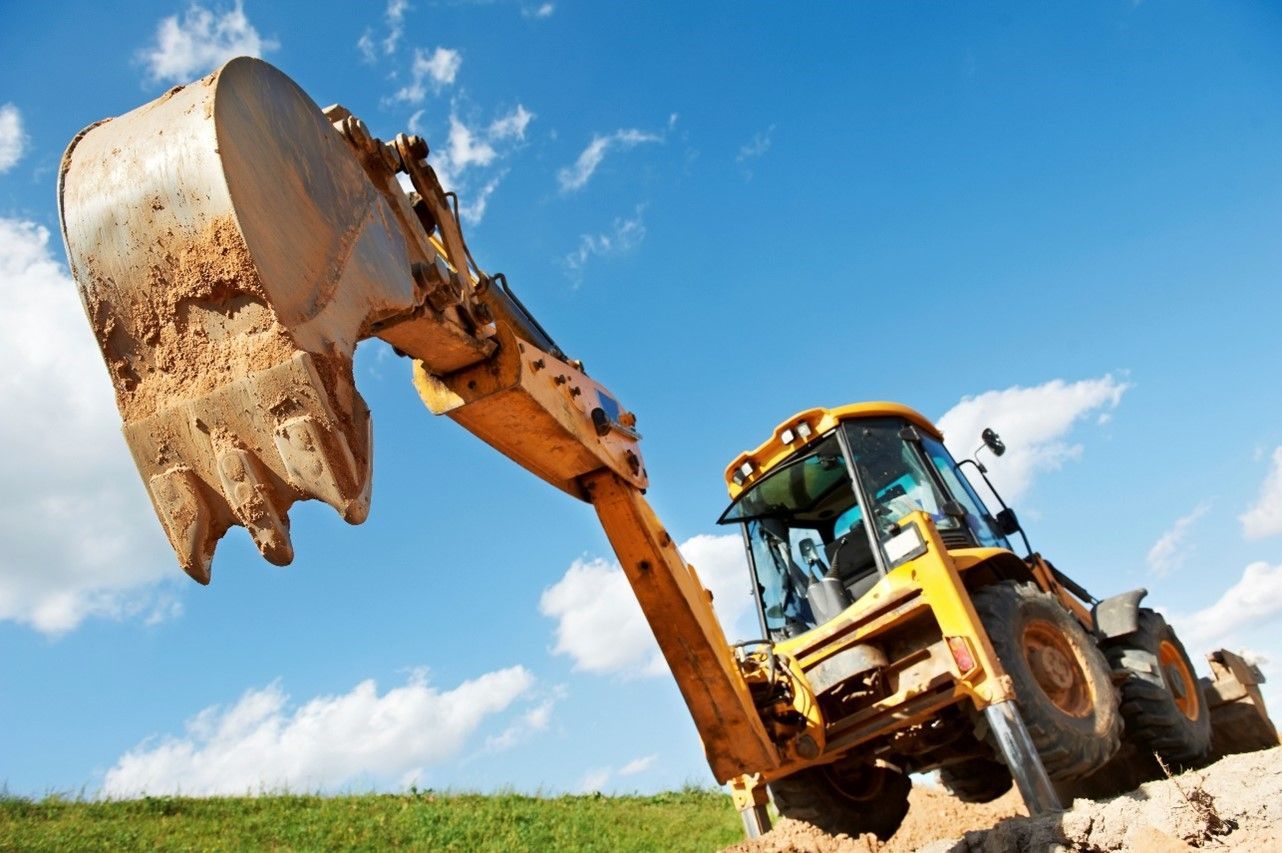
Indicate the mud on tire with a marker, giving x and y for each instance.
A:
(1162, 702)
(853, 801)
(1062, 682)
(976, 780)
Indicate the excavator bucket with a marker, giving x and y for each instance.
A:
(232, 243)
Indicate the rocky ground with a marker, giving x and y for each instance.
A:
(1234, 804)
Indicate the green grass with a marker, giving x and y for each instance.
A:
(692, 819)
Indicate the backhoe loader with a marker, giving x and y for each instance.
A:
(233, 242)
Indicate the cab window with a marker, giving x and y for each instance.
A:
(978, 518)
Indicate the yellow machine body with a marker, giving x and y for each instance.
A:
(926, 598)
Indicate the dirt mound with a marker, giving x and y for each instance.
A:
(1235, 803)
(933, 814)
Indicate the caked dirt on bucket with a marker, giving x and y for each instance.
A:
(199, 321)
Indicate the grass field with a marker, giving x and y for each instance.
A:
(684, 820)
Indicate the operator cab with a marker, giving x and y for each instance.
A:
(819, 515)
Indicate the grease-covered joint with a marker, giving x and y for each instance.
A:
(411, 148)
(371, 151)
(434, 282)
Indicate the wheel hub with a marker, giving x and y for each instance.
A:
(1056, 669)
(1052, 668)
(1179, 680)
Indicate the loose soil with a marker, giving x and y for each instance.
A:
(1234, 804)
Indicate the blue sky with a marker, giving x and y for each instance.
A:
(1059, 222)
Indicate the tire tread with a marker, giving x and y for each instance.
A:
(1066, 753)
(1152, 721)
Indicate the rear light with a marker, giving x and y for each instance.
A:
(962, 655)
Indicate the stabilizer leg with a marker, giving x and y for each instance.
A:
(750, 798)
(1020, 755)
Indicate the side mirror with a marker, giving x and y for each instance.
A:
(1007, 523)
(993, 441)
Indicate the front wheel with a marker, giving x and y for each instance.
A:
(1062, 683)
(976, 780)
(845, 800)
(1162, 702)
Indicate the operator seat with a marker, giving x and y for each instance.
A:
(850, 556)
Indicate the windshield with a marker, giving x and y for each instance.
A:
(978, 519)
(797, 518)
(809, 545)
(895, 474)
(814, 485)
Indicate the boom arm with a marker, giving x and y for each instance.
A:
(233, 243)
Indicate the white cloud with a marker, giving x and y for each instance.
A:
(723, 568)
(531, 722)
(543, 10)
(13, 141)
(512, 125)
(365, 44)
(472, 210)
(638, 765)
(467, 162)
(754, 150)
(1256, 599)
(441, 67)
(80, 537)
(624, 236)
(1264, 518)
(597, 778)
(576, 176)
(395, 24)
(1169, 552)
(599, 623)
(466, 149)
(601, 627)
(594, 780)
(1035, 424)
(261, 744)
(201, 41)
(759, 145)
(437, 70)
(394, 16)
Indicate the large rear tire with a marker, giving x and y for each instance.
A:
(1062, 682)
(848, 801)
(1162, 702)
(976, 780)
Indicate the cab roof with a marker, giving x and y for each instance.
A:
(803, 429)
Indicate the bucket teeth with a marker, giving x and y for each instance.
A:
(251, 499)
(187, 519)
(319, 461)
(244, 452)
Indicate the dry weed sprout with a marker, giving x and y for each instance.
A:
(1203, 805)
